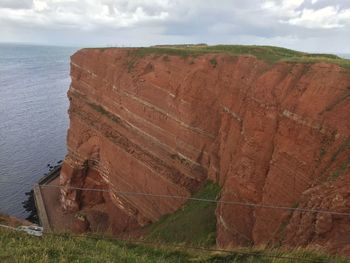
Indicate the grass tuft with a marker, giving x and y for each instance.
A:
(214, 62)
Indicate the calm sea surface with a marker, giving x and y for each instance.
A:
(33, 117)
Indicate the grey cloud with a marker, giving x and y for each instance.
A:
(343, 4)
(16, 4)
(137, 22)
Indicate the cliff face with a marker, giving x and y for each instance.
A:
(274, 134)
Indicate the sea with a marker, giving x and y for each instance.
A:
(33, 117)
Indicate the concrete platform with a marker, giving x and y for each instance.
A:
(102, 218)
(58, 220)
(50, 213)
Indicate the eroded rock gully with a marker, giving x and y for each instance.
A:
(271, 134)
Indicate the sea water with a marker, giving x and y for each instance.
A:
(33, 117)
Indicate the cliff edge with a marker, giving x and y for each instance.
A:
(164, 120)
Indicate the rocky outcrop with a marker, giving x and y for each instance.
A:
(275, 134)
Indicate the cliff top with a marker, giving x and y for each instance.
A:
(269, 54)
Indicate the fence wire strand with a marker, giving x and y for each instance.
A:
(237, 203)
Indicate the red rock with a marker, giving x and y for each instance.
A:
(269, 134)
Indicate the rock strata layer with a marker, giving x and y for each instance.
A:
(272, 134)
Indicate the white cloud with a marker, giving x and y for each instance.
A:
(40, 5)
(284, 8)
(294, 13)
(328, 17)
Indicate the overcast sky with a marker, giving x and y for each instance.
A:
(307, 25)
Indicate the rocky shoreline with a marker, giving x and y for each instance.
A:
(29, 204)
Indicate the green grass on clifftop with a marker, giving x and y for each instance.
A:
(269, 54)
(194, 224)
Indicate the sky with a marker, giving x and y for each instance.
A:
(306, 25)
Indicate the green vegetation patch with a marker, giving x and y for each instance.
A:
(194, 224)
(105, 112)
(269, 54)
(214, 62)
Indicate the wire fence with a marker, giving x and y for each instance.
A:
(186, 198)
(236, 203)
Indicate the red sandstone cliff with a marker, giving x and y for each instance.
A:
(277, 134)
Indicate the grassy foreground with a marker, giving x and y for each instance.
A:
(171, 239)
(168, 240)
(269, 54)
(20, 247)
